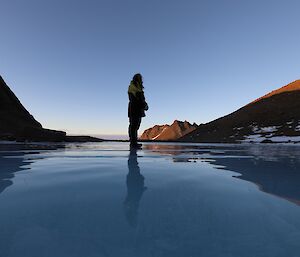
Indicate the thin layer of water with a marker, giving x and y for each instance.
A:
(163, 200)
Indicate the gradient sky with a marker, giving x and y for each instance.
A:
(70, 62)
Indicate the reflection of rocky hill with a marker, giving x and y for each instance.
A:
(8, 168)
(280, 178)
(274, 117)
(12, 159)
(168, 132)
(17, 123)
(274, 168)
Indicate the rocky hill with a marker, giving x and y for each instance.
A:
(16, 123)
(168, 132)
(274, 117)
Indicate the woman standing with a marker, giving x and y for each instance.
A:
(136, 107)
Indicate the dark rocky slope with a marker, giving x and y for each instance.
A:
(16, 123)
(274, 117)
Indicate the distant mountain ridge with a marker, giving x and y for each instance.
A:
(274, 117)
(168, 132)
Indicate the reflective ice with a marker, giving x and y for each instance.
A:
(185, 200)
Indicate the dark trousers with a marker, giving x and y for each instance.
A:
(134, 125)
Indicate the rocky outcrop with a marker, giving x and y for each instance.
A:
(16, 123)
(275, 117)
(168, 132)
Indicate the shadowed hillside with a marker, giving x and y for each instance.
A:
(274, 117)
(17, 123)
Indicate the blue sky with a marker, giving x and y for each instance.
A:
(70, 62)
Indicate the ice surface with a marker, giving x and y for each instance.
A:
(166, 200)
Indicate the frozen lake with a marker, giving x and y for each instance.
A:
(177, 200)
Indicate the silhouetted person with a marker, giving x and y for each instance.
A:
(136, 107)
(135, 188)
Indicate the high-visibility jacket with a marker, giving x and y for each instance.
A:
(137, 103)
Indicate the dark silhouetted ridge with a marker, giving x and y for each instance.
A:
(16, 123)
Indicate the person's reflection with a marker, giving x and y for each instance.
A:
(135, 188)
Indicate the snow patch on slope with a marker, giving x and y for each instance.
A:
(254, 138)
(276, 139)
(285, 139)
(269, 133)
(159, 134)
(269, 129)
